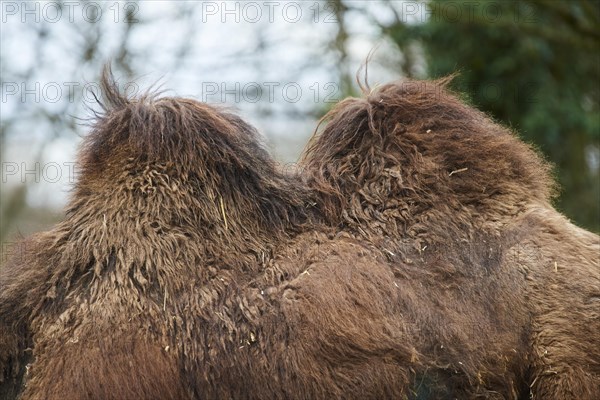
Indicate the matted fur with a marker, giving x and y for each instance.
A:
(412, 151)
(190, 267)
(176, 206)
(504, 289)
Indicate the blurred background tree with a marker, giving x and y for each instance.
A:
(532, 65)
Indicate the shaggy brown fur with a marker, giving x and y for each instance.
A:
(176, 210)
(504, 291)
(188, 266)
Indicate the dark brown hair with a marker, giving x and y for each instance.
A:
(505, 290)
(411, 149)
(416, 256)
(172, 194)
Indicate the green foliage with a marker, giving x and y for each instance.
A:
(534, 66)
